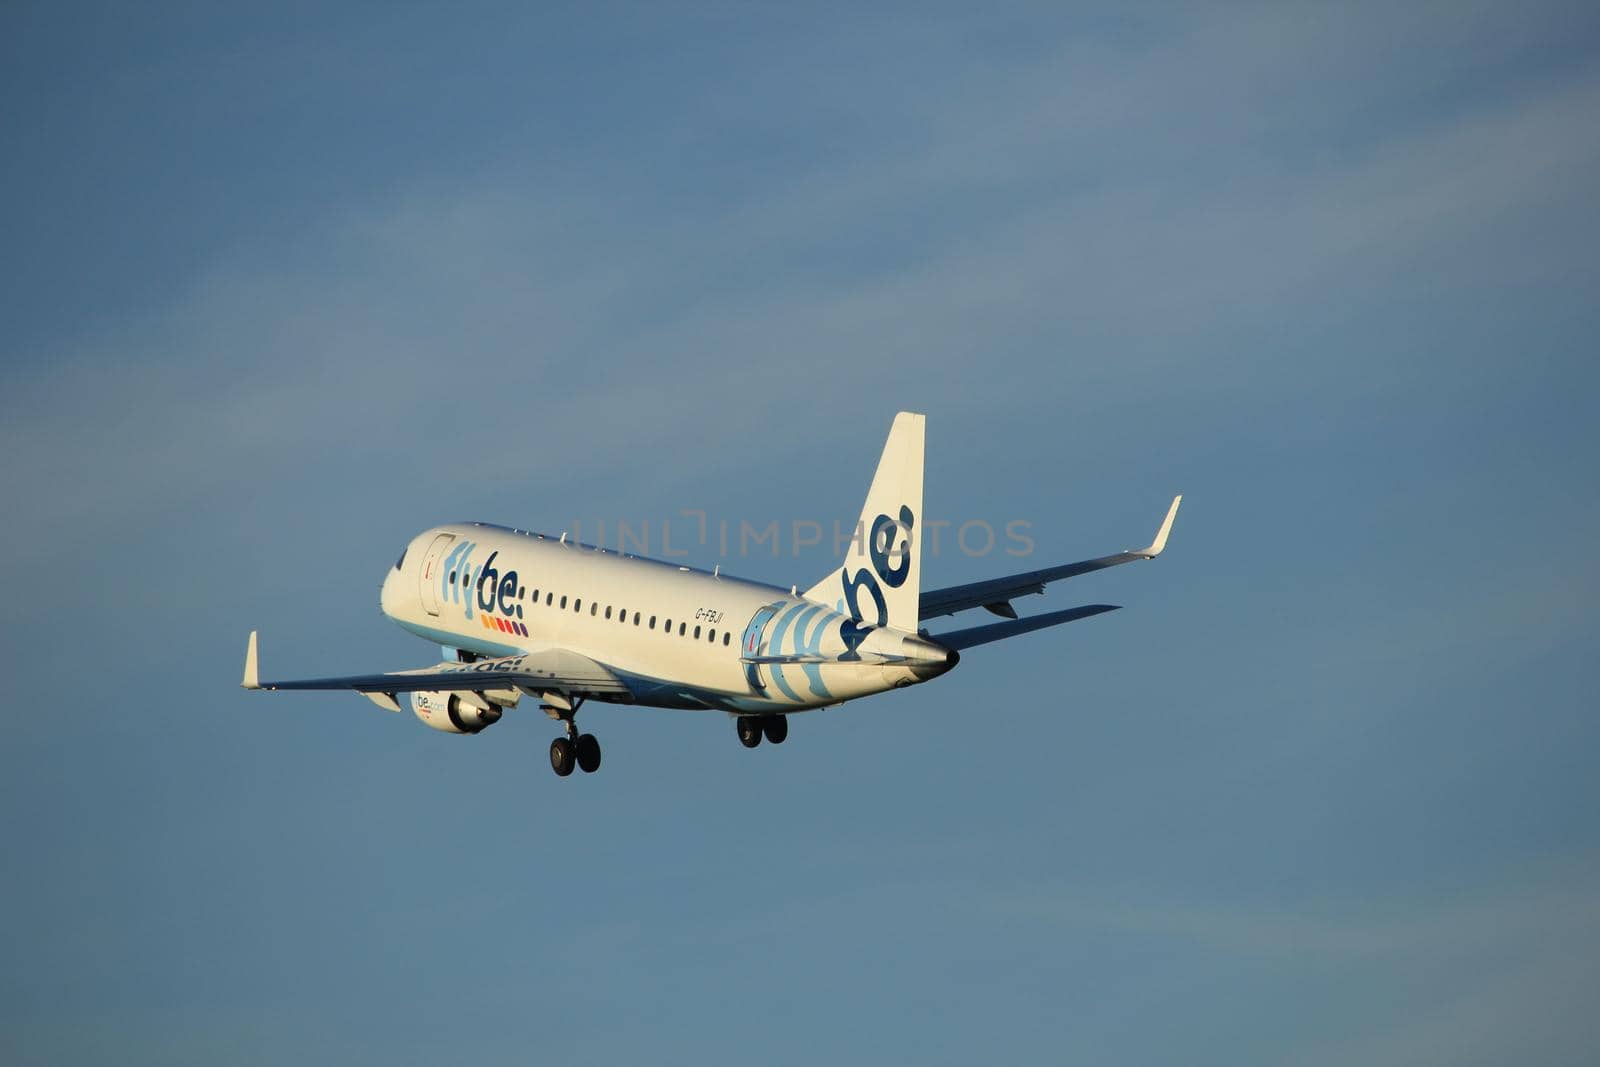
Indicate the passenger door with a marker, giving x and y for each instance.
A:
(430, 572)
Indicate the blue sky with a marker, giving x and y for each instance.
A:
(286, 287)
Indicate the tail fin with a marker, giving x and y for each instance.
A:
(880, 581)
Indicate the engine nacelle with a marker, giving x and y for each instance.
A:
(455, 713)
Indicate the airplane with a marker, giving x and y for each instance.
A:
(523, 614)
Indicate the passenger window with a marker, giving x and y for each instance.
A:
(725, 635)
(608, 612)
(697, 633)
(548, 597)
(667, 626)
(452, 577)
(563, 603)
(536, 596)
(577, 605)
(594, 609)
(636, 618)
(652, 622)
(711, 635)
(682, 626)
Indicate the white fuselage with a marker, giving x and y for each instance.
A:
(675, 636)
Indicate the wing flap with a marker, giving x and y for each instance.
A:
(386, 701)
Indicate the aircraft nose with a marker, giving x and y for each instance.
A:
(386, 594)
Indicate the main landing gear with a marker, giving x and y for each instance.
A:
(577, 749)
(753, 727)
(580, 750)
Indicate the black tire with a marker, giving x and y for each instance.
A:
(776, 727)
(588, 754)
(749, 727)
(562, 756)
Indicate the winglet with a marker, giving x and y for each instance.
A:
(1160, 542)
(252, 673)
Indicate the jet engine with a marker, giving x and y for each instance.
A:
(455, 712)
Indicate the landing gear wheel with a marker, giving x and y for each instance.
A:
(562, 754)
(749, 727)
(588, 754)
(776, 727)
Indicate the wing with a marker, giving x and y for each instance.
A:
(544, 670)
(996, 593)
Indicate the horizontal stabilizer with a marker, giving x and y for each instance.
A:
(999, 631)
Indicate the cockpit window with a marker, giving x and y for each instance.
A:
(401, 561)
